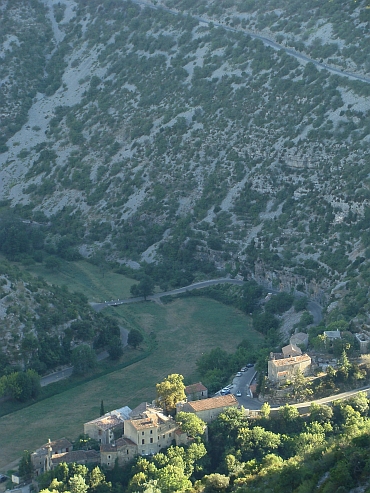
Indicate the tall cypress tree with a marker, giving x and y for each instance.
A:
(102, 412)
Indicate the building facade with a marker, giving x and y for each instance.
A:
(150, 430)
(122, 450)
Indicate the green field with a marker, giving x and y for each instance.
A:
(184, 329)
(82, 276)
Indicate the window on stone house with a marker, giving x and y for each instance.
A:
(151, 440)
(164, 436)
(142, 433)
(127, 451)
(170, 435)
(151, 432)
(142, 441)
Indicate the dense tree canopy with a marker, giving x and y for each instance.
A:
(190, 424)
(83, 359)
(171, 391)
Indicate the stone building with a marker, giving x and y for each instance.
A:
(123, 450)
(42, 458)
(77, 456)
(291, 350)
(150, 429)
(208, 409)
(108, 427)
(282, 369)
(363, 339)
(196, 391)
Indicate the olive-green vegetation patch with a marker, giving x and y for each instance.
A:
(183, 329)
(96, 284)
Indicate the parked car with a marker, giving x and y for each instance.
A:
(250, 365)
(225, 391)
(3, 478)
(238, 394)
(239, 374)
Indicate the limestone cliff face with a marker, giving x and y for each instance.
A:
(140, 132)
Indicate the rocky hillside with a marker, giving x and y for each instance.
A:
(40, 324)
(172, 133)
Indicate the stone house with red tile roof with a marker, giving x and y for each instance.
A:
(208, 409)
(196, 391)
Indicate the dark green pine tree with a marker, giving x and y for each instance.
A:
(102, 412)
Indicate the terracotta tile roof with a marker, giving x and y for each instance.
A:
(291, 361)
(76, 456)
(194, 388)
(213, 403)
(118, 444)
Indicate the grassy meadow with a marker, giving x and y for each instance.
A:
(183, 330)
(82, 276)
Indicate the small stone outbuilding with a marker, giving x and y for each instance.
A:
(196, 391)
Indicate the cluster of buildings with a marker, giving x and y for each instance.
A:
(283, 366)
(126, 433)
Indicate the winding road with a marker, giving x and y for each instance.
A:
(267, 41)
(314, 308)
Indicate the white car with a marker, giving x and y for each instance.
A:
(239, 374)
(238, 394)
